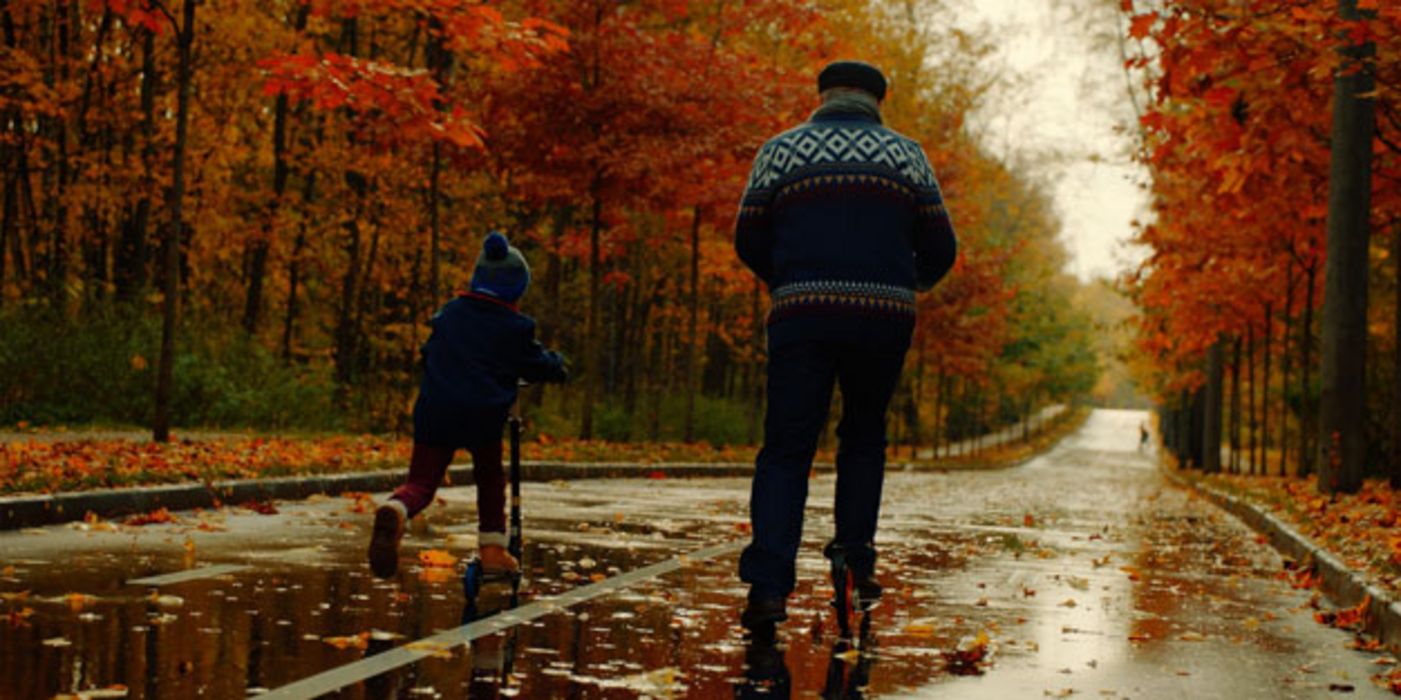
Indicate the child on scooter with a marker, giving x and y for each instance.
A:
(479, 349)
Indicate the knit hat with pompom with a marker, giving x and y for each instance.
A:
(501, 270)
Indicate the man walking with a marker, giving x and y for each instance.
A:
(844, 221)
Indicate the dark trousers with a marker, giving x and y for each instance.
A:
(429, 464)
(801, 376)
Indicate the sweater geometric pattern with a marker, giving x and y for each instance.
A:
(858, 298)
(803, 147)
(862, 169)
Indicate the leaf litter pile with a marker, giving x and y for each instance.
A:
(53, 463)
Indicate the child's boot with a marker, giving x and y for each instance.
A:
(384, 543)
(495, 559)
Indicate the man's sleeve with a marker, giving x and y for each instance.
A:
(754, 224)
(935, 245)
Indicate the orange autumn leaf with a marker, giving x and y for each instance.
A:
(1348, 618)
(160, 515)
(436, 558)
(353, 641)
(77, 601)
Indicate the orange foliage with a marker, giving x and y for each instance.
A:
(1236, 138)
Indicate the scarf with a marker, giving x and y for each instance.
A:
(850, 102)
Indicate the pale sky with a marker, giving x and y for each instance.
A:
(1061, 112)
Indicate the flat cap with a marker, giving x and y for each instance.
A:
(852, 74)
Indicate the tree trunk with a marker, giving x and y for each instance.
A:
(937, 433)
(1287, 360)
(1395, 476)
(60, 167)
(259, 247)
(346, 352)
(435, 235)
(1265, 394)
(1184, 430)
(131, 258)
(554, 274)
(1197, 441)
(692, 326)
(10, 209)
(294, 272)
(171, 259)
(1250, 399)
(1235, 409)
(1342, 406)
(592, 342)
(1308, 426)
(1211, 430)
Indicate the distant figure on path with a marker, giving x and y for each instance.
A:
(480, 348)
(1142, 436)
(844, 221)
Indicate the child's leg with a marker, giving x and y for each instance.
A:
(491, 507)
(426, 470)
(491, 490)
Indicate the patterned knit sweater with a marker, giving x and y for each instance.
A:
(843, 219)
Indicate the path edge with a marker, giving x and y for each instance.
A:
(39, 510)
(1346, 587)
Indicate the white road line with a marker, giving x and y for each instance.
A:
(187, 575)
(371, 666)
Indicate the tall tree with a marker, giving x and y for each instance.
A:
(1342, 407)
(175, 200)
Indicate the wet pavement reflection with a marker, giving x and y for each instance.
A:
(1080, 573)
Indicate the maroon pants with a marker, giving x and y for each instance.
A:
(429, 464)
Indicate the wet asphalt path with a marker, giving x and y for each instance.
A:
(1084, 571)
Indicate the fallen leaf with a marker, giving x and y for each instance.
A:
(436, 558)
(850, 656)
(155, 517)
(76, 601)
(261, 507)
(353, 641)
(919, 629)
(968, 658)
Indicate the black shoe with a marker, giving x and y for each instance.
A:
(763, 613)
(865, 594)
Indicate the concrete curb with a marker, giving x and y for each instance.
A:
(1346, 587)
(36, 511)
(39, 510)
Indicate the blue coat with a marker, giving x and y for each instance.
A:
(479, 350)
